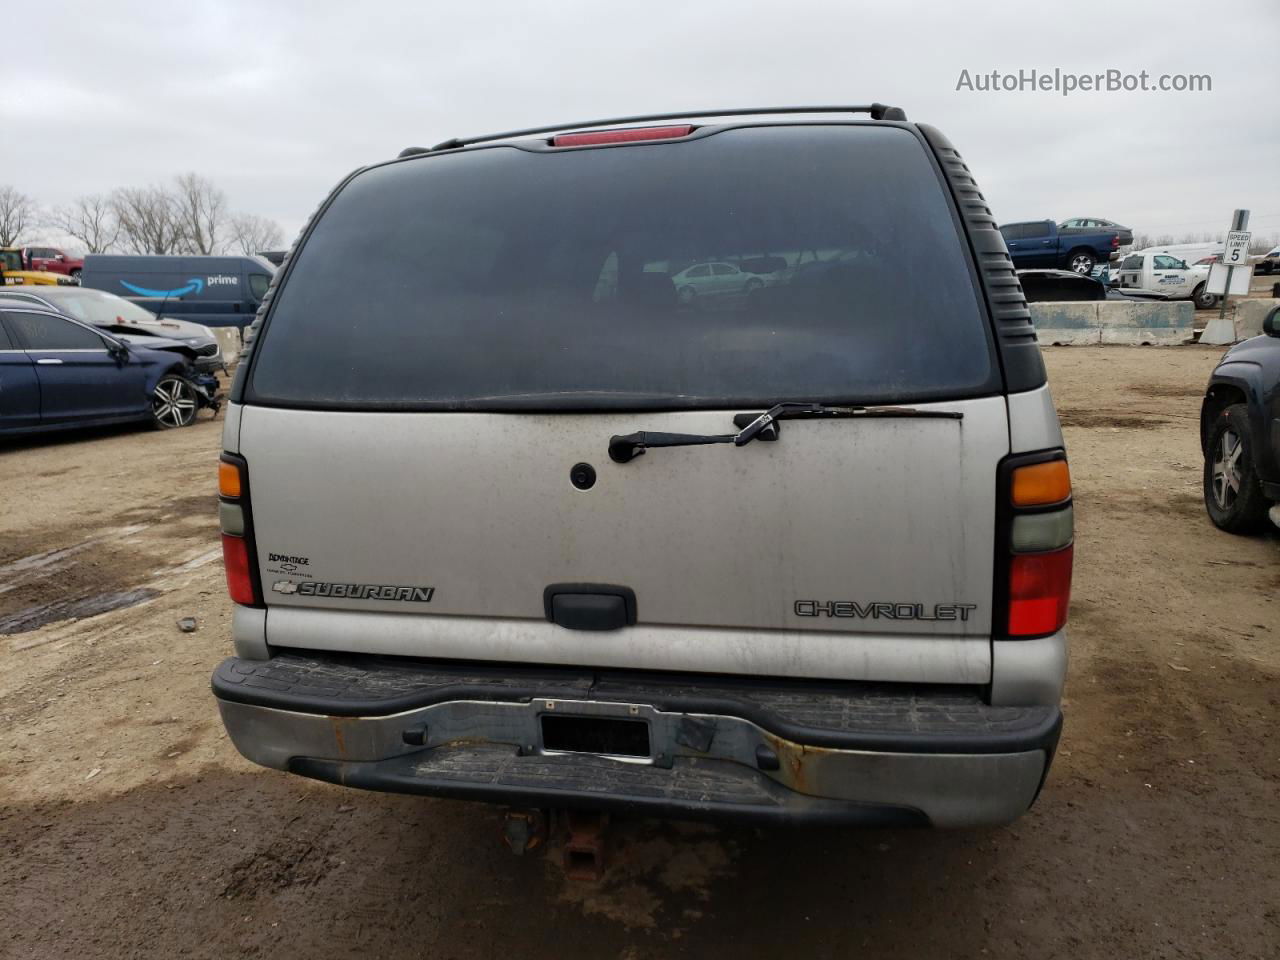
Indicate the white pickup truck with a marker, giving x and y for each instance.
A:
(1167, 275)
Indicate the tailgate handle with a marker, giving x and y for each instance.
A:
(589, 606)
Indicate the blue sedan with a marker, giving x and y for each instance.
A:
(56, 373)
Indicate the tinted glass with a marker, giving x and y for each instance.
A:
(5, 342)
(1166, 263)
(43, 332)
(505, 278)
(1132, 263)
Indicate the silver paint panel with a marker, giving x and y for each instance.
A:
(231, 428)
(1029, 672)
(1033, 421)
(249, 632)
(480, 507)
(778, 653)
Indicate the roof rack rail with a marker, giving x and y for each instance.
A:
(878, 111)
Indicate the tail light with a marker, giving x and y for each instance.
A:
(1035, 552)
(1115, 242)
(238, 553)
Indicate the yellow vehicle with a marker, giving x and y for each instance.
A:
(12, 271)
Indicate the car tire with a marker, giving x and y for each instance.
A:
(1232, 494)
(1081, 261)
(174, 402)
(1202, 300)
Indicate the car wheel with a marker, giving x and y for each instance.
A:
(173, 402)
(1203, 300)
(687, 295)
(1232, 494)
(1083, 262)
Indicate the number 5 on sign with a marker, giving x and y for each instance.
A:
(1237, 251)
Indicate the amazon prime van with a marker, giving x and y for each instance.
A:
(214, 291)
(644, 472)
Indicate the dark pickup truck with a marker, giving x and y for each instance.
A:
(1040, 243)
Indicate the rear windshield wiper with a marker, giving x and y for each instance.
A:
(624, 449)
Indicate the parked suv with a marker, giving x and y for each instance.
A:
(1240, 433)
(506, 521)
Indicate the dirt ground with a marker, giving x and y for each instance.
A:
(129, 826)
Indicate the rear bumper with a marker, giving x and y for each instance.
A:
(718, 748)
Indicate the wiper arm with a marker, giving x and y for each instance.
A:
(624, 449)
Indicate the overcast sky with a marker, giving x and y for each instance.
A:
(277, 101)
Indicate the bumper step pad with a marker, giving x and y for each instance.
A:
(843, 715)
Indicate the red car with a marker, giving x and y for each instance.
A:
(52, 260)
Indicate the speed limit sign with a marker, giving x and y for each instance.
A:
(1237, 251)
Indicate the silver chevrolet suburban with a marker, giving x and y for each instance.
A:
(640, 465)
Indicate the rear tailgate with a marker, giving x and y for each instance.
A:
(839, 533)
(410, 442)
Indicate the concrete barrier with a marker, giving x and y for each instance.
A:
(1220, 331)
(1113, 321)
(1242, 321)
(229, 341)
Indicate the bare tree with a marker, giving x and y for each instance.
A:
(92, 220)
(253, 234)
(18, 214)
(149, 220)
(201, 209)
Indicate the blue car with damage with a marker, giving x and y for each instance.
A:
(58, 373)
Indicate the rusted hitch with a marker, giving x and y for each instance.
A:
(584, 848)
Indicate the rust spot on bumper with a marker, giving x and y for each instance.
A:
(339, 725)
(797, 763)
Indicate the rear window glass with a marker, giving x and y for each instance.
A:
(749, 266)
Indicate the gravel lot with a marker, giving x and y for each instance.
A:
(129, 827)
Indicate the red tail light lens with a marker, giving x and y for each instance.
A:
(237, 530)
(633, 135)
(1039, 592)
(235, 557)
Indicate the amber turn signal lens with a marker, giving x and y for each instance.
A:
(1041, 483)
(228, 480)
